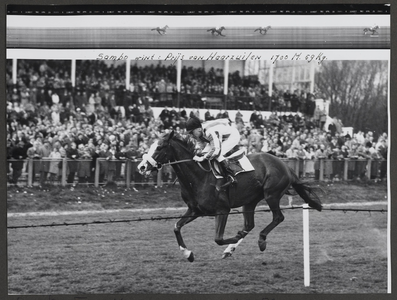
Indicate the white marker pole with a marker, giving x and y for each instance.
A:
(306, 244)
(14, 71)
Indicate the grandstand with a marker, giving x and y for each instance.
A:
(231, 85)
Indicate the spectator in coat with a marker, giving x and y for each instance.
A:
(56, 161)
(19, 153)
(361, 163)
(72, 155)
(382, 149)
(104, 155)
(112, 164)
(34, 153)
(208, 116)
(121, 155)
(321, 153)
(84, 164)
(337, 159)
(45, 151)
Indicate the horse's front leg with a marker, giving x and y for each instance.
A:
(188, 217)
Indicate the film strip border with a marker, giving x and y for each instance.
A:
(199, 27)
(251, 9)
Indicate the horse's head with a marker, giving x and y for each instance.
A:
(161, 152)
(157, 155)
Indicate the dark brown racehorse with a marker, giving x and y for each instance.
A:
(217, 31)
(270, 181)
(263, 30)
(161, 30)
(372, 30)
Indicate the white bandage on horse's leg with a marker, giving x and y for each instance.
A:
(186, 253)
(232, 247)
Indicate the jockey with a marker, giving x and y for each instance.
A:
(217, 139)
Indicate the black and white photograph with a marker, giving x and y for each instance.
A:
(210, 150)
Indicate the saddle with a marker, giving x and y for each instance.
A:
(239, 163)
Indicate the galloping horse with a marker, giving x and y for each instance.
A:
(371, 30)
(217, 30)
(271, 179)
(263, 30)
(161, 30)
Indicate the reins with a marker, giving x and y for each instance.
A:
(202, 168)
(186, 160)
(177, 162)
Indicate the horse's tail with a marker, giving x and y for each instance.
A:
(306, 192)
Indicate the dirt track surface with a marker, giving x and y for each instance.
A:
(348, 255)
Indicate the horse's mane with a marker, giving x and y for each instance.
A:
(188, 142)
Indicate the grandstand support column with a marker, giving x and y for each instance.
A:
(96, 180)
(73, 72)
(30, 172)
(368, 171)
(128, 74)
(178, 79)
(128, 167)
(346, 170)
(270, 89)
(226, 81)
(64, 169)
(321, 178)
(160, 178)
(14, 71)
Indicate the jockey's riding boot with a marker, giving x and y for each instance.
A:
(231, 175)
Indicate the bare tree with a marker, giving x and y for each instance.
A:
(358, 92)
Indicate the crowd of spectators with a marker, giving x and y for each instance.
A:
(48, 119)
(155, 84)
(307, 140)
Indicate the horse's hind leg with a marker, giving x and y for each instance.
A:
(278, 217)
(220, 225)
(249, 224)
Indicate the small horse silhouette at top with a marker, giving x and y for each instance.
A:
(263, 30)
(217, 31)
(372, 30)
(161, 30)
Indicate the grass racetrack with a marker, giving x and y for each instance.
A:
(347, 249)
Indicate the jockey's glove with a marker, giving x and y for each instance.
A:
(217, 152)
(198, 158)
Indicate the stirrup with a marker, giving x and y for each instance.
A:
(229, 182)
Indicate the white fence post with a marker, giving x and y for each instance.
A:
(306, 244)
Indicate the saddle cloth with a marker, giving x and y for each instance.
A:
(239, 163)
